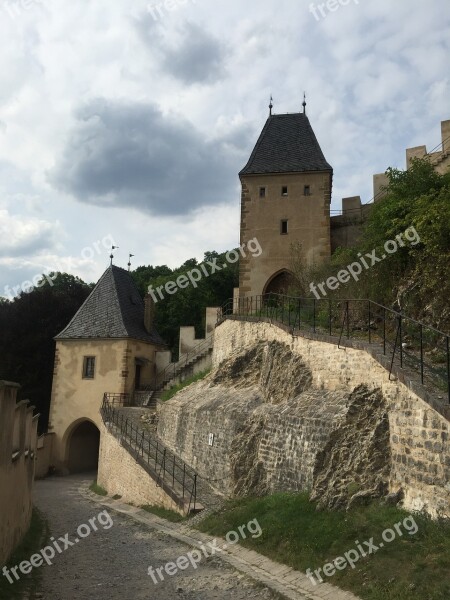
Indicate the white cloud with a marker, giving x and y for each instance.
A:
(196, 85)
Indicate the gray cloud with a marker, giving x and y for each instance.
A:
(197, 58)
(192, 55)
(130, 154)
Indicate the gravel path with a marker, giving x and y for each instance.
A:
(112, 563)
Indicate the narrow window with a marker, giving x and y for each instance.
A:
(284, 227)
(284, 190)
(88, 367)
(307, 190)
(262, 192)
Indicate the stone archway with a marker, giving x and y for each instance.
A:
(279, 283)
(83, 447)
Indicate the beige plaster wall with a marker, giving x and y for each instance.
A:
(75, 399)
(17, 462)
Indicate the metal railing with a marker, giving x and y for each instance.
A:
(406, 341)
(174, 369)
(169, 471)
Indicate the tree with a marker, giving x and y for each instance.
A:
(28, 325)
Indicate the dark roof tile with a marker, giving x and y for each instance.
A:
(114, 309)
(287, 144)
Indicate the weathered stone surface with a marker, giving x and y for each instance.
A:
(354, 465)
(274, 431)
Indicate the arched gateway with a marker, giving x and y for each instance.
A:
(82, 447)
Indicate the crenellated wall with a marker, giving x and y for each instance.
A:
(18, 441)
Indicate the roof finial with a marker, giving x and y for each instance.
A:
(111, 256)
(271, 104)
(304, 103)
(130, 256)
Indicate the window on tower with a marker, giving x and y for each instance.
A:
(307, 190)
(284, 227)
(284, 190)
(262, 192)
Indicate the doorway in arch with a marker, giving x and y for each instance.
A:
(83, 448)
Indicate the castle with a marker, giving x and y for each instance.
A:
(111, 345)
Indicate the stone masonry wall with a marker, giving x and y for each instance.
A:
(120, 474)
(257, 425)
(418, 435)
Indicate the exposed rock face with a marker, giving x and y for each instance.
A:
(273, 431)
(278, 373)
(354, 465)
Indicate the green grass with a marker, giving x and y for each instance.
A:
(97, 489)
(411, 567)
(169, 515)
(35, 539)
(170, 393)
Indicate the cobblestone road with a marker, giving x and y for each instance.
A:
(111, 564)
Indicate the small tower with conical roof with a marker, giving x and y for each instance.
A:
(109, 346)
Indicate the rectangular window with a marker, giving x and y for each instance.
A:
(284, 227)
(307, 190)
(262, 192)
(284, 190)
(89, 367)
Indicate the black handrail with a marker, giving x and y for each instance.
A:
(421, 347)
(181, 478)
(173, 369)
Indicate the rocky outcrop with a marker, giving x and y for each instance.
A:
(257, 425)
(354, 465)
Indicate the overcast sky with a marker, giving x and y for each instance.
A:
(121, 121)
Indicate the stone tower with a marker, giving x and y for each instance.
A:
(286, 195)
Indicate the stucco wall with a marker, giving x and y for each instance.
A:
(75, 399)
(17, 460)
(119, 473)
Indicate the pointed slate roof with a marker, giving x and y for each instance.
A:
(114, 309)
(287, 144)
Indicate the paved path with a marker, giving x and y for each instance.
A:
(112, 563)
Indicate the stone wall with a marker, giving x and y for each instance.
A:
(17, 458)
(284, 413)
(258, 425)
(119, 473)
(44, 453)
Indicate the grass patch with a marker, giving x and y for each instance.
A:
(35, 539)
(97, 489)
(169, 515)
(411, 567)
(170, 393)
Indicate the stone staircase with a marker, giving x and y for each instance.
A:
(179, 370)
